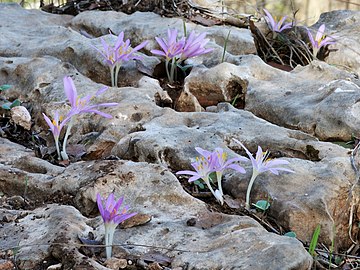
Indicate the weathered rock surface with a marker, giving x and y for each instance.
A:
(149, 143)
(344, 25)
(318, 99)
(43, 229)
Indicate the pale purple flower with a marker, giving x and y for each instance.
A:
(194, 46)
(261, 164)
(320, 40)
(220, 164)
(56, 126)
(112, 216)
(171, 47)
(82, 105)
(120, 52)
(123, 50)
(203, 167)
(276, 26)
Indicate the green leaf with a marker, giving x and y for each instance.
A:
(15, 103)
(5, 87)
(314, 240)
(199, 184)
(290, 234)
(343, 144)
(6, 106)
(212, 177)
(184, 68)
(262, 205)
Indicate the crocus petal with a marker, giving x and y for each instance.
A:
(100, 205)
(280, 23)
(187, 172)
(120, 218)
(286, 26)
(158, 52)
(276, 162)
(110, 202)
(162, 44)
(236, 167)
(312, 41)
(101, 91)
(70, 90)
(106, 115)
(194, 178)
(141, 45)
(120, 40)
(48, 121)
(320, 33)
(271, 20)
(118, 204)
(203, 152)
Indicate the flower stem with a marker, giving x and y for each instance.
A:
(167, 71)
(109, 238)
(112, 75)
(57, 148)
(252, 180)
(117, 74)
(209, 186)
(218, 178)
(68, 130)
(173, 65)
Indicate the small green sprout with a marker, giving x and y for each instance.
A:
(314, 240)
(7, 105)
(262, 205)
(290, 234)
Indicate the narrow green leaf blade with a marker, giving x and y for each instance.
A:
(314, 240)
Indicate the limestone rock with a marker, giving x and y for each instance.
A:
(21, 116)
(318, 99)
(209, 88)
(344, 25)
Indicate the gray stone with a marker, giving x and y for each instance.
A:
(344, 25)
(318, 99)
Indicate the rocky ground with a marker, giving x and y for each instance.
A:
(48, 211)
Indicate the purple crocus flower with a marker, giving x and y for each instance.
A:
(115, 55)
(177, 51)
(82, 105)
(320, 40)
(261, 164)
(56, 126)
(112, 217)
(194, 46)
(220, 164)
(203, 167)
(274, 26)
(171, 48)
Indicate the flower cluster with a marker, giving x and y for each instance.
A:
(261, 163)
(211, 162)
(176, 51)
(217, 162)
(112, 217)
(78, 106)
(115, 55)
(274, 26)
(320, 40)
